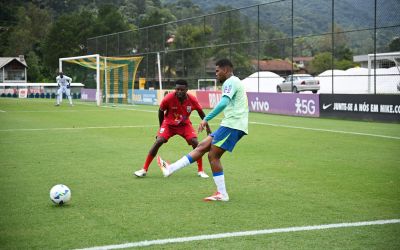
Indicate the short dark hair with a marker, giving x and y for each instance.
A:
(224, 63)
(181, 82)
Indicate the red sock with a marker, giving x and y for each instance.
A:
(149, 159)
(200, 165)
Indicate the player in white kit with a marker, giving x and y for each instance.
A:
(64, 86)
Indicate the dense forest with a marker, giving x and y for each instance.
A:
(45, 30)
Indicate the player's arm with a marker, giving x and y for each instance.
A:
(160, 116)
(202, 115)
(69, 80)
(225, 100)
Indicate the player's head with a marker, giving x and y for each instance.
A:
(61, 74)
(223, 69)
(181, 87)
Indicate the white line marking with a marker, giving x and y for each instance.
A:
(126, 108)
(244, 233)
(56, 111)
(326, 130)
(76, 128)
(2, 111)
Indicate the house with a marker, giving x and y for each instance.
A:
(13, 69)
(278, 66)
(303, 62)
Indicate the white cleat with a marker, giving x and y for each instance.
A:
(163, 166)
(140, 173)
(202, 174)
(217, 196)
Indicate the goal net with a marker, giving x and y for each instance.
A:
(207, 84)
(112, 77)
(384, 72)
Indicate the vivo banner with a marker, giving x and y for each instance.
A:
(364, 107)
(88, 94)
(285, 104)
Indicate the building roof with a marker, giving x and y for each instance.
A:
(303, 58)
(6, 60)
(274, 65)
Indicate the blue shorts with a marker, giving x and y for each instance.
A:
(226, 138)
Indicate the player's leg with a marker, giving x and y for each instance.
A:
(59, 96)
(202, 148)
(163, 134)
(200, 171)
(224, 139)
(68, 93)
(214, 157)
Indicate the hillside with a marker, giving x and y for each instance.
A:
(314, 16)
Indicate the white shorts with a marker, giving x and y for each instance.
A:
(65, 90)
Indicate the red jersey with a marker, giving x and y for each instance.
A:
(178, 113)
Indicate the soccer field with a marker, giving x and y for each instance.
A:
(289, 172)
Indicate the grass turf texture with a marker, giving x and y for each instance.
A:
(276, 177)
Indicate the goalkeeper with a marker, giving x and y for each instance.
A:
(64, 86)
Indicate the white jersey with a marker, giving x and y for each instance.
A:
(64, 81)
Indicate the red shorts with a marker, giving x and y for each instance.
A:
(186, 131)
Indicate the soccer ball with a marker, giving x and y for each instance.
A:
(60, 194)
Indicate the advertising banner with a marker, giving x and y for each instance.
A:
(285, 104)
(141, 96)
(23, 93)
(364, 107)
(208, 99)
(88, 94)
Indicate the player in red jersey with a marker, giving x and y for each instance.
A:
(173, 115)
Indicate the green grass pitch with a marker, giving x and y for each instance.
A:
(288, 172)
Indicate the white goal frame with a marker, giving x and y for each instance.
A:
(97, 56)
(207, 80)
(392, 56)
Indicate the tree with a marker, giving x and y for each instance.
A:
(395, 44)
(321, 62)
(36, 71)
(32, 26)
(67, 37)
(109, 20)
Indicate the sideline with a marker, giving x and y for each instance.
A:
(325, 130)
(244, 233)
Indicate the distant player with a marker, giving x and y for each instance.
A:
(233, 127)
(64, 86)
(173, 115)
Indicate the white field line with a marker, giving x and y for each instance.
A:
(75, 128)
(243, 233)
(148, 126)
(54, 111)
(154, 111)
(2, 111)
(326, 130)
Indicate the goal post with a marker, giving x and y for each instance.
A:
(207, 84)
(115, 76)
(97, 57)
(381, 61)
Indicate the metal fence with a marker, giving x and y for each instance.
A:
(284, 32)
